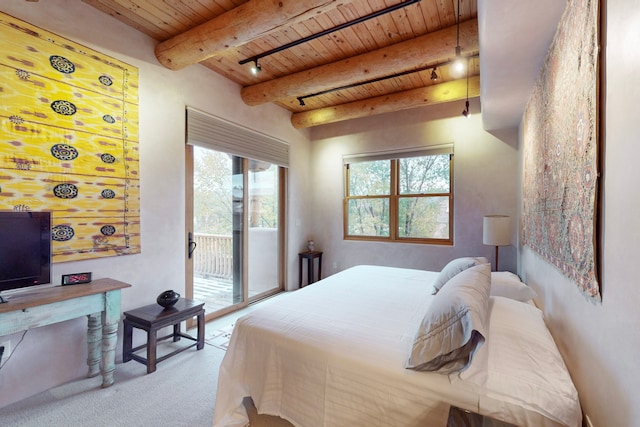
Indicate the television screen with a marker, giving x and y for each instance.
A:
(25, 249)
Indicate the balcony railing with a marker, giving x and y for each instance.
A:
(213, 280)
(213, 257)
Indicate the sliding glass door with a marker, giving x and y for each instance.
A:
(264, 218)
(233, 229)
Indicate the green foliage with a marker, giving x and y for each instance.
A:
(212, 182)
(369, 217)
(370, 178)
(215, 187)
(424, 175)
(422, 195)
(423, 217)
(263, 190)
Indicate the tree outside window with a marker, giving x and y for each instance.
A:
(406, 199)
(215, 189)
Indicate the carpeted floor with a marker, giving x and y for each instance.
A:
(220, 337)
(181, 392)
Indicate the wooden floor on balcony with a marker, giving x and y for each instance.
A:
(217, 294)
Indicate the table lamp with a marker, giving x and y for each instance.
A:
(496, 232)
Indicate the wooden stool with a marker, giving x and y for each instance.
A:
(153, 317)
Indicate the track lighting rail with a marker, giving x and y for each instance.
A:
(391, 76)
(380, 12)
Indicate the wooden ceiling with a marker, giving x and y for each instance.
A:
(379, 64)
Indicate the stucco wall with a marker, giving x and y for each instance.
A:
(485, 182)
(56, 354)
(600, 342)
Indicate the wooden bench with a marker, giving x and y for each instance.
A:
(152, 318)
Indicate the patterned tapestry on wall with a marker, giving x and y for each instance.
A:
(560, 132)
(69, 141)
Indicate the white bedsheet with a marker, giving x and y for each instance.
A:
(333, 354)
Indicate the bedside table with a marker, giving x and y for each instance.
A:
(309, 256)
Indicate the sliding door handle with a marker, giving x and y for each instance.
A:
(192, 245)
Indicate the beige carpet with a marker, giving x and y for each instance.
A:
(181, 392)
(219, 337)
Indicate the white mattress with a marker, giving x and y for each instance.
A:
(333, 354)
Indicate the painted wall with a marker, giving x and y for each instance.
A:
(56, 354)
(600, 341)
(485, 182)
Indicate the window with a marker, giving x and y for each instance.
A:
(403, 196)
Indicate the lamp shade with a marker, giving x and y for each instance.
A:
(496, 230)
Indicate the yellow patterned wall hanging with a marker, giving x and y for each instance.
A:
(69, 141)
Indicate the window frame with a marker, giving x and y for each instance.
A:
(395, 196)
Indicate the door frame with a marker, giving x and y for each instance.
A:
(282, 237)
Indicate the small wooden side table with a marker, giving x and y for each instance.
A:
(153, 317)
(309, 256)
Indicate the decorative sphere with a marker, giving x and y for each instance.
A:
(168, 298)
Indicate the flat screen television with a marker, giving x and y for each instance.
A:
(25, 249)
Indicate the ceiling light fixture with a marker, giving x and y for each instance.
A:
(434, 76)
(458, 65)
(465, 112)
(256, 68)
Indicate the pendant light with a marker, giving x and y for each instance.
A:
(465, 112)
(458, 65)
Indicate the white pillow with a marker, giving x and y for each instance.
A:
(508, 285)
(524, 364)
(452, 329)
(454, 267)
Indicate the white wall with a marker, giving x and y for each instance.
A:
(56, 354)
(600, 342)
(485, 182)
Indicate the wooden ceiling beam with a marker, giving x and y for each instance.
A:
(445, 92)
(236, 27)
(431, 48)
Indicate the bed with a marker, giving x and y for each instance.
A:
(336, 353)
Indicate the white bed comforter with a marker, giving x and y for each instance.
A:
(332, 355)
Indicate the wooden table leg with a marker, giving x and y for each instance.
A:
(127, 341)
(176, 332)
(200, 345)
(94, 337)
(110, 319)
(152, 343)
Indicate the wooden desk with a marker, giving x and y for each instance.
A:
(98, 300)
